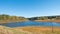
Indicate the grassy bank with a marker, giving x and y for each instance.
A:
(29, 30)
(40, 30)
(10, 21)
(7, 30)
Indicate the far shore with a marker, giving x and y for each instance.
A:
(10, 21)
(58, 21)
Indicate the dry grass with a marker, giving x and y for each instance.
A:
(7, 30)
(41, 30)
(29, 30)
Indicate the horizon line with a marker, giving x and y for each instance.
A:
(30, 16)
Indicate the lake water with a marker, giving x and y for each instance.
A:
(32, 23)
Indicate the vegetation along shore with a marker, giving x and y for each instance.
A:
(8, 19)
(46, 18)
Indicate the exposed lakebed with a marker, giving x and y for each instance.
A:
(31, 23)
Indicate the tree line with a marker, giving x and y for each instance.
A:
(45, 18)
(8, 17)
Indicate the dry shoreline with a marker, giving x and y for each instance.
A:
(57, 21)
(10, 21)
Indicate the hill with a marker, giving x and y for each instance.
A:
(7, 19)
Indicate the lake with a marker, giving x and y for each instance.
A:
(32, 23)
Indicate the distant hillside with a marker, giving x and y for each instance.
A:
(7, 18)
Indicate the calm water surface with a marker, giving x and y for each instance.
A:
(31, 23)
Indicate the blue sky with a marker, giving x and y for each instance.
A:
(30, 8)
